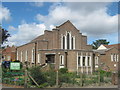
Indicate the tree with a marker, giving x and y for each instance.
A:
(4, 35)
(97, 43)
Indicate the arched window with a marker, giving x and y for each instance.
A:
(68, 41)
(63, 42)
(72, 43)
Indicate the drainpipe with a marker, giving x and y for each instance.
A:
(66, 58)
(35, 53)
(16, 54)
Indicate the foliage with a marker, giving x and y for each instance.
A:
(43, 85)
(67, 77)
(37, 75)
(4, 33)
(8, 76)
(4, 71)
(51, 77)
(63, 70)
(119, 74)
(97, 43)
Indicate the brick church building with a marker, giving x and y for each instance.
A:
(64, 46)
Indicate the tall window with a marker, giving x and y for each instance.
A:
(96, 60)
(117, 57)
(21, 56)
(68, 41)
(72, 43)
(33, 55)
(61, 60)
(111, 57)
(114, 57)
(39, 58)
(17, 55)
(26, 59)
(88, 61)
(83, 61)
(78, 61)
(63, 42)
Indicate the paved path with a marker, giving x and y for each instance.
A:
(13, 86)
(9, 86)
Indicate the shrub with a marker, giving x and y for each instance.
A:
(63, 70)
(37, 75)
(108, 74)
(51, 77)
(43, 85)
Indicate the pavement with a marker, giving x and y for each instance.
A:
(9, 86)
(13, 86)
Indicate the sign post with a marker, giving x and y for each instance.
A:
(15, 66)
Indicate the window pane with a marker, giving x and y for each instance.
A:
(78, 61)
(83, 61)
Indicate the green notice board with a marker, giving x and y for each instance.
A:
(15, 66)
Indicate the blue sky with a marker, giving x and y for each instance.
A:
(24, 11)
(23, 19)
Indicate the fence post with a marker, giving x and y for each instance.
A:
(81, 79)
(99, 78)
(57, 78)
(25, 84)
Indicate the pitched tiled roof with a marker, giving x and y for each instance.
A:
(113, 45)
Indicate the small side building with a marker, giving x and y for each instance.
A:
(9, 53)
(107, 57)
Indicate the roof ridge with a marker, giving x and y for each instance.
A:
(65, 23)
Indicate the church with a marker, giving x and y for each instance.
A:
(63, 47)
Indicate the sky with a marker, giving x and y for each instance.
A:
(27, 20)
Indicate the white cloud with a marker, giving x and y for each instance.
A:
(37, 4)
(26, 32)
(91, 18)
(11, 28)
(4, 13)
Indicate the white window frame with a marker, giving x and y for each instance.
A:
(96, 60)
(61, 41)
(112, 57)
(68, 32)
(79, 60)
(88, 61)
(26, 58)
(62, 59)
(17, 55)
(84, 64)
(74, 42)
(21, 56)
(33, 57)
(117, 57)
(39, 58)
